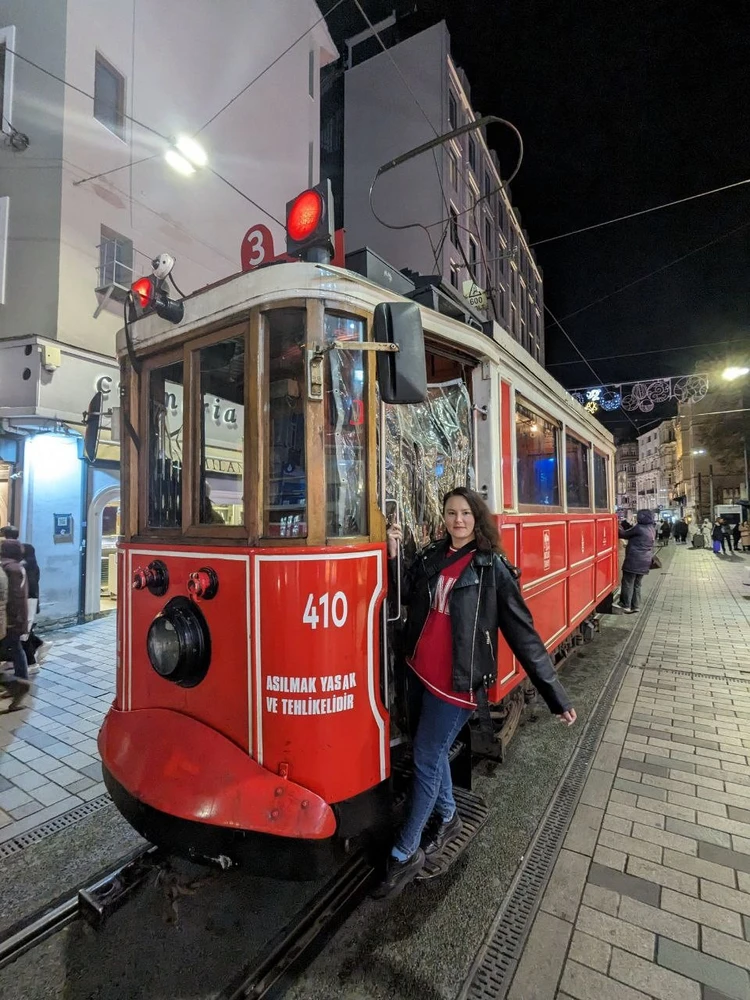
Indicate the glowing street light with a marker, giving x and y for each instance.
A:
(186, 155)
(733, 372)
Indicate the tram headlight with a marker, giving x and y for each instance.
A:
(179, 643)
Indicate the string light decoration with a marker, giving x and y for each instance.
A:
(642, 396)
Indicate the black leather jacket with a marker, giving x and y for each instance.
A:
(485, 598)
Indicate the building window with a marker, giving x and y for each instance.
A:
(577, 472)
(536, 450)
(452, 111)
(513, 321)
(109, 97)
(487, 184)
(311, 74)
(488, 234)
(115, 261)
(454, 274)
(454, 227)
(453, 169)
(473, 257)
(472, 154)
(7, 60)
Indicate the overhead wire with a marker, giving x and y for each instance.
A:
(658, 270)
(268, 67)
(644, 211)
(659, 350)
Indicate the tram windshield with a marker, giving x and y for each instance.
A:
(222, 393)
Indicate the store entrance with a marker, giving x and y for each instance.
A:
(4, 493)
(108, 577)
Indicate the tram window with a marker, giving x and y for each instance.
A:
(536, 451)
(346, 432)
(222, 388)
(577, 472)
(165, 446)
(601, 500)
(286, 493)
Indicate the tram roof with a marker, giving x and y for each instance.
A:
(225, 302)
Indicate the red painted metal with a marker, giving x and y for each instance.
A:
(507, 429)
(182, 767)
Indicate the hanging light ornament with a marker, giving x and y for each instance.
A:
(643, 396)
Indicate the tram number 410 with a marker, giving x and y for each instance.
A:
(333, 610)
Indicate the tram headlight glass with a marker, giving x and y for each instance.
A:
(179, 644)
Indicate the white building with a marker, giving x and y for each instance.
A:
(70, 246)
(656, 468)
(381, 121)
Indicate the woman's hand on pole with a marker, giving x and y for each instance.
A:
(394, 536)
(568, 717)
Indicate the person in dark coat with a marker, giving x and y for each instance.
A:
(17, 612)
(720, 534)
(638, 556)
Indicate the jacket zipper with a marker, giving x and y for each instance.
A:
(474, 635)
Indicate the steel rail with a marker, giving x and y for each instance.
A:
(92, 901)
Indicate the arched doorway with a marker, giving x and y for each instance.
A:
(101, 559)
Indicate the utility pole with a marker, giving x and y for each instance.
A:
(711, 493)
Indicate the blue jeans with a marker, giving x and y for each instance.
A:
(14, 651)
(439, 725)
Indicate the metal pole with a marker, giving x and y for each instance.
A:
(699, 516)
(747, 477)
(711, 493)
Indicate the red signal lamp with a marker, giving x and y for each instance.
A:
(309, 224)
(148, 294)
(304, 215)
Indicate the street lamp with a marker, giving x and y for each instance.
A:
(185, 155)
(734, 372)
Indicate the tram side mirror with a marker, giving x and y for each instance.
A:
(92, 418)
(402, 374)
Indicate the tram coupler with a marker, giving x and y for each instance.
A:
(100, 900)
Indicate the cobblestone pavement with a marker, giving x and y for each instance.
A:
(49, 762)
(650, 896)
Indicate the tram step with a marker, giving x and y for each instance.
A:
(473, 811)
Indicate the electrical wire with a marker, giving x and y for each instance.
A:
(664, 267)
(270, 66)
(583, 357)
(246, 196)
(659, 350)
(79, 90)
(644, 211)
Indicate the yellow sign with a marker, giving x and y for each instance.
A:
(476, 297)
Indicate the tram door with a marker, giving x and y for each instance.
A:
(427, 450)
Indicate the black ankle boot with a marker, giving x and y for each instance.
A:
(399, 874)
(441, 833)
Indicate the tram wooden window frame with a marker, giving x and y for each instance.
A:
(538, 508)
(192, 528)
(149, 365)
(375, 516)
(608, 500)
(568, 433)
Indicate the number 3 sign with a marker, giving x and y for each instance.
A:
(257, 247)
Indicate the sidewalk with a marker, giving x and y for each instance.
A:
(650, 896)
(49, 762)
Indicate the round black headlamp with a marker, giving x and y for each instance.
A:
(179, 644)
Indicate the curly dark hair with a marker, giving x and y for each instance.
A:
(485, 526)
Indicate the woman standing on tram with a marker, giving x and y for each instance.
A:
(459, 592)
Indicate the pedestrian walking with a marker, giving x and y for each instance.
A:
(11, 561)
(736, 535)
(459, 592)
(638, 555)
(745, 536)
(665, 531)
(34, 647)
(719, 537)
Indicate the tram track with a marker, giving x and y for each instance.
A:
(92, 901)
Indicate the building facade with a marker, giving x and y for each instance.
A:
(87, 200)
(626, 460)
(656, 469)
(468, 232)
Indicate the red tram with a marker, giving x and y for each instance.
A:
(259, 707)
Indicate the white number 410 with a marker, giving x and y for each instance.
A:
(339, 610)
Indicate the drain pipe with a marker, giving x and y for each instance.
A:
(81, 618)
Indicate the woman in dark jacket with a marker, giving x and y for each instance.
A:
(17, 611)
(638, 556)
(460, 591)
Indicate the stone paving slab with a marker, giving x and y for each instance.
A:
(650, 896)
(49, 761)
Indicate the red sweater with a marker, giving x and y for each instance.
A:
(432, 661)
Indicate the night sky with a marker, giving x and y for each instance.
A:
(621, 106)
